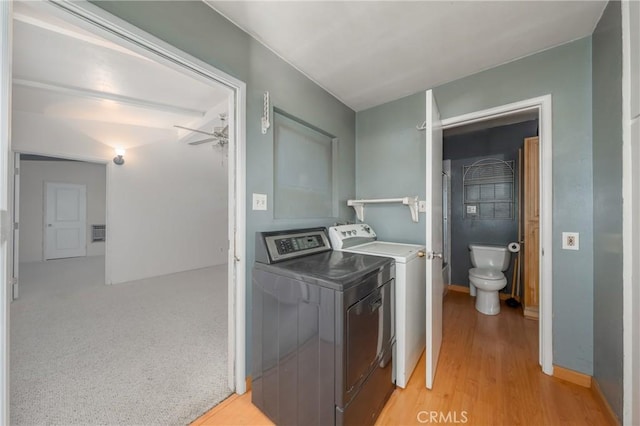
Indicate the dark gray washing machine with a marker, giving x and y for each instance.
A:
(323, 330)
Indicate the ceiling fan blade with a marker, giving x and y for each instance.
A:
(193, 130)
(202, 141)
(222, 133)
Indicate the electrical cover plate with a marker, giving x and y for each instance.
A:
(571, 241)
(259, 201)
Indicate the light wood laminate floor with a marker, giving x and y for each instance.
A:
(488, 374)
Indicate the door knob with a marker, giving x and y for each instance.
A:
(421, 253)
(434, 255)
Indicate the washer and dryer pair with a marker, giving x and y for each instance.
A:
(410, 301)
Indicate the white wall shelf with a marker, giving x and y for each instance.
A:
(412, 202)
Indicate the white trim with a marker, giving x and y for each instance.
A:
(543, 105)
(237, 254)
(15, 247)
(109, 165)
(6, 29)
(630, 233)
(64, 156)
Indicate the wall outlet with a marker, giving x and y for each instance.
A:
(472, 210)
(571, 241)
(422, 206)
(259, 201)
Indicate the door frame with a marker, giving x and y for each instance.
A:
(97, 20)
(6, 182)
(630, 222)
(542, 105)
(15, 247)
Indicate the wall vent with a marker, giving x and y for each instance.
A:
(98, 233)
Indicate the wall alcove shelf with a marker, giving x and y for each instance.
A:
(412, 202)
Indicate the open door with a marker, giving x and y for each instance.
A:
(433, 244)
(531, 210)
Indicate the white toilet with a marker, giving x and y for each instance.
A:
(486, 278)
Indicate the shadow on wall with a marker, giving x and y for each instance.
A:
(464, 149)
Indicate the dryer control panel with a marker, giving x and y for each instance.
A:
(345, 236)
(276, 246)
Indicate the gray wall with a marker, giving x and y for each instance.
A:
(198, 30)
(565, 73)
(390, 163)
(607, 205)
(463, 149)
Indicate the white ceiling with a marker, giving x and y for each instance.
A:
(103, 90)
(370, 52)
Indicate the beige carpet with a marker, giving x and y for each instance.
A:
(149, 352)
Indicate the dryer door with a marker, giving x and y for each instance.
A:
(369, 332)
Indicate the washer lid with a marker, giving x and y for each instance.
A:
(400, 252)
(486, 273)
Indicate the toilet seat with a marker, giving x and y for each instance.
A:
(486, 279)
(486, 274)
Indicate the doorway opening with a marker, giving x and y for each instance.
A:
(487, 197)
(150, 195)
(540, 109)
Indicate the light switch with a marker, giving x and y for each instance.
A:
(471, 209)
(422, 206)
(259, 201)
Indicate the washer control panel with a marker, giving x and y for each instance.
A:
(345, 236)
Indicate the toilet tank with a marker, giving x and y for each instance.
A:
(490, 256)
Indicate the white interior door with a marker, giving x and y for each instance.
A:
(433, 244)
(65, 220)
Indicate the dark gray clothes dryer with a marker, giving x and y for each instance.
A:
(323, 330)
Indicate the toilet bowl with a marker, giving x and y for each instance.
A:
(486, 277)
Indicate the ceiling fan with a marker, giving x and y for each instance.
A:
(220, 135)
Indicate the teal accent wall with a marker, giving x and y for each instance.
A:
(198, 30)
(390, 163)
(387, 140)
(607, 205)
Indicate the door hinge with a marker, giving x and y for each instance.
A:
(16, 171)
(16, 226)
